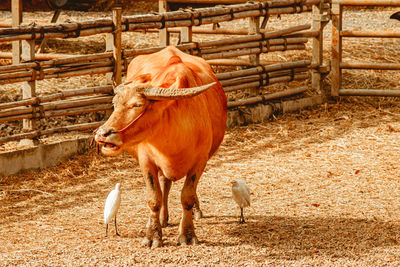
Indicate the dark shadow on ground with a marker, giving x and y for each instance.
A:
(297, 237)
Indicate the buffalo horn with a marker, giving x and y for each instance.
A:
(157, 93)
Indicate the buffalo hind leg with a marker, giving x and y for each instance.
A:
(165, 187)
(153, 236)
(188, 199)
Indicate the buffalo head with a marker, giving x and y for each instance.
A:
(137, 108)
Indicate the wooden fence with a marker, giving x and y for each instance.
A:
(222, 51)
(337, 65)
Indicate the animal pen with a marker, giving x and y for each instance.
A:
(247, 83)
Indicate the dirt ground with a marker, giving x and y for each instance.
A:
(324, 187)
(324, 182)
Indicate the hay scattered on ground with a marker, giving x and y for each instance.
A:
(324, 191)
(324, 185)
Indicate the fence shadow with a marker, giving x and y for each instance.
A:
(297, 237)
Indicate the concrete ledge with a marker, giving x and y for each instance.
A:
(48, 155)
(45, 155)
(262, 112)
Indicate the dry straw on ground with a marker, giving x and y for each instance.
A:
(324, 191)
(324, 182)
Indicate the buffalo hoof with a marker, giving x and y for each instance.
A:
(164, 222)
(184, 240)
(155, 243)
(153, 237)
(197, 214)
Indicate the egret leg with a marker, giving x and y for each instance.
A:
(115, 221)
(106, 229)
(241, 216)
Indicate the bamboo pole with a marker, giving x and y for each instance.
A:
(36, 134)
(371, 34)
(239, 45)
(165, 20)
(58, 96)
(249, 51)
(58, 105)
(231, 62)
(308, 34)
(40, 56)
(375, 66)
(59, 113)
(267, 68)
(255, 37)
(78, 59)
(271, 81)
(227, 31)
(16, 12)
(268, 78)
(114, 44)
(367, 2)
(84, 63)
(266, 97)
(369, 92)
(63, 74)
(336, 46)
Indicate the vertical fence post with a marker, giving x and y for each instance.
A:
(114, 44)
(24, 51)
(164, 34)
(16, 10)
(186, 34)
(337, 11)
(28, 88)
(254, 28)
(117, 46)
(317, 47)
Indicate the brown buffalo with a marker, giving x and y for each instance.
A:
(170, 115)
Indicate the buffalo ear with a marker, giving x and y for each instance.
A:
(119, 87)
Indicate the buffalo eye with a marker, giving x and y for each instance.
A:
(135, 105)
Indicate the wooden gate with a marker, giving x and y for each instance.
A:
(338, 34)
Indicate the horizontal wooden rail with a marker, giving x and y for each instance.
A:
(257, 84)
(59, 113)
(371, 34)
(266, 97)
(369, 92)
(267, 68)
(183, 18)
(41, 107)
(375, 66)
(102, 62)
(57, 96)
(367, 2)
(36, 134)
(40, 110)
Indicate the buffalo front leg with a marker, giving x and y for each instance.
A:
(198, 214)
(165, 187)
(153, 236)
(188, 199)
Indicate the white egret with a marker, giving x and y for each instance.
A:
(111, 207)
(241, 194)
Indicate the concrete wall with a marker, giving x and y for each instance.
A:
(41, 156)
(46, 155)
